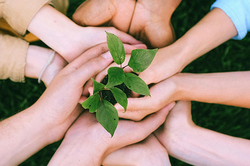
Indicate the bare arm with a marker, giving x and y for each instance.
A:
(199, 146)
(67, 38)
(214, 29)
(223, 88)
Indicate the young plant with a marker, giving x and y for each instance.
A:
(106, 113)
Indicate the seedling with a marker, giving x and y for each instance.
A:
(140, 59)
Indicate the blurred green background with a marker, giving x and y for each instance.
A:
(230, 56)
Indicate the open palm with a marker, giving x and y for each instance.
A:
(147, 20)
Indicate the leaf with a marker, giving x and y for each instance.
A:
(97, 86)
(136, 84)
(92, 102)
(116, 76)
(107, 116)
(116, 48)
(120, 97)
(141, 59)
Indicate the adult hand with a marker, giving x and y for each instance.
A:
(88, 143)
(151, 22)
(117, 13)
(163, 93)
(147, 21)
(67, 38)
(147, 152)
(48, 119)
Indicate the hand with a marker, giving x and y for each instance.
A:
(64, 92)
(88, 143)
(165, 92)
(117, 13)
(178, 122)
(147, 152)
(143, 19)
(151, 22)
(67, 38)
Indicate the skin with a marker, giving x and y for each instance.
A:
(67, 38)
(87, 143)
(147, 152)
(198, 146)
(48, 119)
(148, 22)
(37, 58)
(221, 88)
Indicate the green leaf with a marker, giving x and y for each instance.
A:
(97, 86)
(116, 48)
(136, 84)
(107, 116)
(116, 76)
(92, 102)
(120, 97)
(141, 59)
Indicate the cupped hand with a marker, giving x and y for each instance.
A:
(147, 152)
(87, 142)
(151, 22)
(148, 21)
(64, 92)
(117, 13)
(163, 93)
(177, 123)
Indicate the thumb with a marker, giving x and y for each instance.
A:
(136, 108)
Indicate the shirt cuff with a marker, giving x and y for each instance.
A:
(13, 58)
(19, 13)
(235, 11)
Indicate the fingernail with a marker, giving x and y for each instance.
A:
(107, 55)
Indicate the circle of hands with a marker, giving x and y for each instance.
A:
(141, 141)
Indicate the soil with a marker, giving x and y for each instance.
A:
(107, 94)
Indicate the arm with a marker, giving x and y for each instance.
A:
(67, 38)
(48, 119)
(222, 88)
(214, 29)
(36, 59)
(87, 142)
(198, 146)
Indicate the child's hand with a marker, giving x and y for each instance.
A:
(162, 94)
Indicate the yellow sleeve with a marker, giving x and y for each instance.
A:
(13, 52)
(19, 13)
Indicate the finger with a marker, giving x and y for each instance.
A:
(89, 69)
(152, 122)
(124, 37)
(93, 13)
(182, 109)
(90, 54)
(137, 108)
(89, 83)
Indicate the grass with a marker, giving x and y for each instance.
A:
(230, 56)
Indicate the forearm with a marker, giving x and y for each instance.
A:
(223, 88)
(200, 146)
(214, 29)
(57, 31)
(22, 135)
(37, 58)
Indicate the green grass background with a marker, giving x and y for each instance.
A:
(230, 56)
